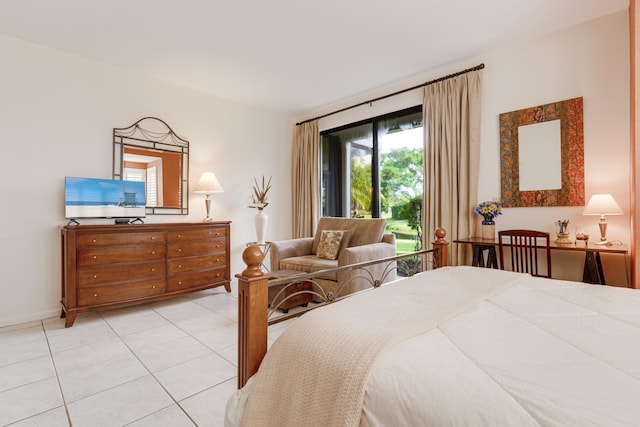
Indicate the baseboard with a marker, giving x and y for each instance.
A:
(30, 317)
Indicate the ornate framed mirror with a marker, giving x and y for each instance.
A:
(149, 150)
(542, 155)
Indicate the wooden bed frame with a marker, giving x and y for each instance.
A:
(253, 312)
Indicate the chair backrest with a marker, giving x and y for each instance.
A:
(523, 246)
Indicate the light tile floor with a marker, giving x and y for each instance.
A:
(169, 363)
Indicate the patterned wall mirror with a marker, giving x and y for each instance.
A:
(542, 155)
(149, 150)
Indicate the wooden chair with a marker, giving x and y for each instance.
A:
(523, 246)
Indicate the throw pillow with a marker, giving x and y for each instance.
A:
(329, 245)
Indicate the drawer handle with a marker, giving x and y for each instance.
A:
(153, 252)
(179, 249)
(95, 295)
(217, 259)
(95, 276)
(153, 269)
(179, 282)
(218, 275)
(217, 246)
(153, 237)
(93, 241)
(179, 236)
(153, 287)
(179, 265)
(94, 257)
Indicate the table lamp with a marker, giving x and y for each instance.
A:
(208, 184)
(602, 204)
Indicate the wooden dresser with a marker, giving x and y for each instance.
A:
(109, 266)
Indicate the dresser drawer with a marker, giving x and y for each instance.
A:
(96, 295)
(109, 239)
(117, 254)
(195, 279)
(206, 233)
(112, 273)
(183, 265)
(195, 247)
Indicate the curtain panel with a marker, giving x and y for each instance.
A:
(306, 183)
(451, 111)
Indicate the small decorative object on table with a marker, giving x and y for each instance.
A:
(259, 201)
(582, 235)
(562, 231)
(488, 211)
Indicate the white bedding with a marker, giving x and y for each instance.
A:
(544, 352)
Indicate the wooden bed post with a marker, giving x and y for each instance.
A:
(442, 246)
(252, 314)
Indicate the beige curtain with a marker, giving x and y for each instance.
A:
(451, 111)
(306, 184)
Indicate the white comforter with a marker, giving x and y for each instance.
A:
(544, 352)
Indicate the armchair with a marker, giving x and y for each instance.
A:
(363, 239)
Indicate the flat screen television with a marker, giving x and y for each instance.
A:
(103, 198)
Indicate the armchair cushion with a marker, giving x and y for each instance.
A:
(332, 242)
(310, 264)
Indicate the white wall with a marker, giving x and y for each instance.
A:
(590, 60)
(57, 113)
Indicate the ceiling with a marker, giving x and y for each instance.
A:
(287, 55)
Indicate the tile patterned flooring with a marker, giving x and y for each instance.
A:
(169, 363)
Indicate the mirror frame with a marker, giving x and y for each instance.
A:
(570, 114)
(155, 135)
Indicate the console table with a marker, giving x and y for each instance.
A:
(592, 264)
(110, 266)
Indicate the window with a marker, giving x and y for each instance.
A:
(149, 176)
(374, 169)
(152, 186)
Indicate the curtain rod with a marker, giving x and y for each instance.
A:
(439, 79)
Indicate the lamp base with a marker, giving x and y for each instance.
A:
(602, 242)
(207, 205)
(602, 225)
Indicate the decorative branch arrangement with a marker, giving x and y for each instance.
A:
(259, 196)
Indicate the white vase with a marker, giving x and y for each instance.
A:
(260, 221)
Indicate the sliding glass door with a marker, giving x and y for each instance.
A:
(374, 169)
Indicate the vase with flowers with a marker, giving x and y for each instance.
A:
(488, 211)
(259, 201)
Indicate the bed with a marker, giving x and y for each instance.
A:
(455, 346)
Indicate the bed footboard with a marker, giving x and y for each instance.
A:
(253, 311)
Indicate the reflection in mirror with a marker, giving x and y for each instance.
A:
(527, 163)
(150, 151)
(539, 154)
(160, 170)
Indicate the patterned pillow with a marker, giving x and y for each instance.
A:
(329, 245)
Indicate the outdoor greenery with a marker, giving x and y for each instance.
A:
(406, 237)
(401, 178)
(412, 212)
(360, 189)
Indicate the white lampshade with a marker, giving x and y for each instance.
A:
(602, 204)
(208, 183)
